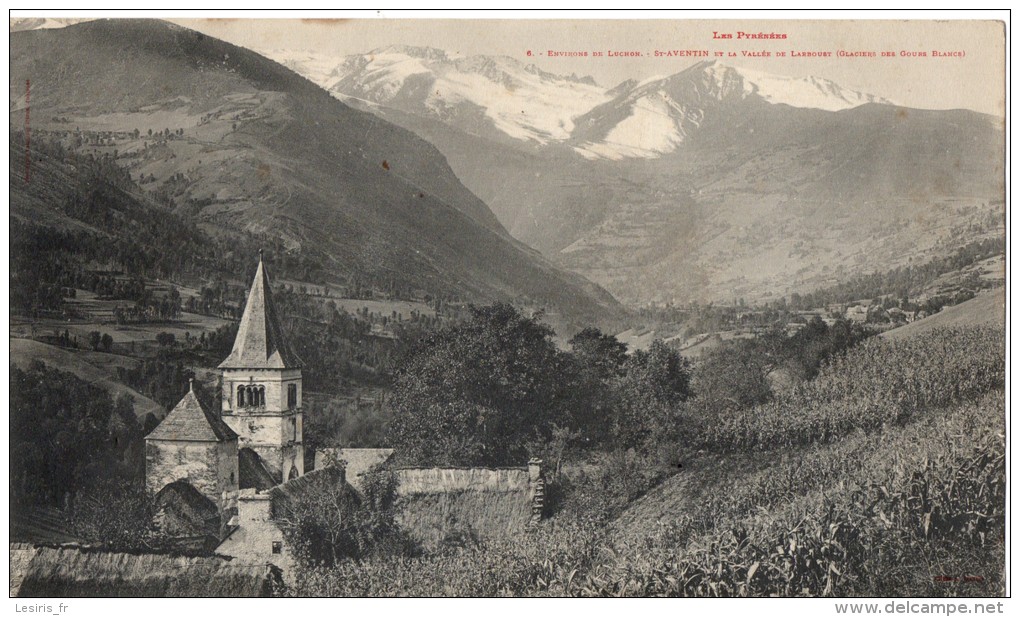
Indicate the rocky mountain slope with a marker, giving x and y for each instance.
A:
(711, 184)
(245, 146)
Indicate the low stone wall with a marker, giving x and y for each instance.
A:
(357, 460)
(441, 505)
(452, 480)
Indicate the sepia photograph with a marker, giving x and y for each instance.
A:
(381, 306)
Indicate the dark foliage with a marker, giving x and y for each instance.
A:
(327, 521)
(480, 391)
(64, 433)
(494, 390)
(114, 512)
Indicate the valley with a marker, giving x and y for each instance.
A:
(712, 184)
(409, 321)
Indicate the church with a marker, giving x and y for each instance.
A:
(218, 460)
(215, 473)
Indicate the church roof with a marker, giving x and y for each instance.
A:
(252, 471)
(189, 421)
(260, 342)
(183, 512)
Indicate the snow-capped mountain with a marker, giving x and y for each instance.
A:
(484, 95)
(807, 92)
(476, 93)
(712, 183)
(654, 117)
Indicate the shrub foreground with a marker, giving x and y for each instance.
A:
(891, 482)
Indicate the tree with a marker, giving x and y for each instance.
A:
(453, 433)
(59, 430)
(106, 342)
(598, 362)
(480, 391)
(649, 396)
(734, 375)
(174, 302)
(95, 339)
(115, 513)
(602, 353)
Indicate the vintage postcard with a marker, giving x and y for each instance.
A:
(508, 308)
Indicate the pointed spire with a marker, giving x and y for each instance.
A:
(260, 342)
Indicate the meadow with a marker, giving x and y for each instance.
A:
(883, 476)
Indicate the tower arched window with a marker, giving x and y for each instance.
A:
(292, 396)
(251, 396)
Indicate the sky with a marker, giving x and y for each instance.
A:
(972, 78)
(974, 81)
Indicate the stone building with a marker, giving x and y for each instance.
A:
(261, 399)
(195, 446)
(247, 459)
(254, 440)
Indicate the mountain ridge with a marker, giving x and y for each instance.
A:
(425, 80)
(256, 147)
(709, 185)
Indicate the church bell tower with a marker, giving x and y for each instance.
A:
(261, 398)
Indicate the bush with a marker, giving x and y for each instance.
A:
(328, 522)
(114, 513)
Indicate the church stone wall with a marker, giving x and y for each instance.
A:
(275, 382)
(210, 467)
(259, 430)
(253, 540)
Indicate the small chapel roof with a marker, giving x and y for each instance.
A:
(252, 471)
(190, 421)
(260, 342)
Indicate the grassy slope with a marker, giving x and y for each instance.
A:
(81, 364)
(986, 308)
(727, 510)
(844, 519)
(725, 489)
(269, 153)
(870, 509)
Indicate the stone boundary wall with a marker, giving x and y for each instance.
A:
(21, 557)
(417, 481)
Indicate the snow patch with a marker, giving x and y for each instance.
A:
(649, 131)
(525, 107)
(804, 92)
(521, 101)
